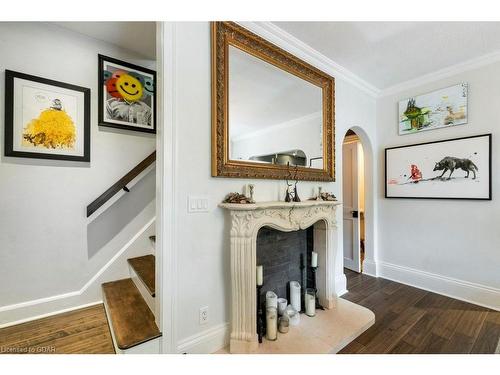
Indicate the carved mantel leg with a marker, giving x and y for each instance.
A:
(324, 240)
(243, 285)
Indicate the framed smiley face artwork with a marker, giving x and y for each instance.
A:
(127, 95)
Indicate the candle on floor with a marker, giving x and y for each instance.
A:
(260, 275)
(295, 295)
(271, 299)
(314, 259)
(271, 323)
(310, 301)
(282, 304)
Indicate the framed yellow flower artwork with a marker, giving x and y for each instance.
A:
(46, 119)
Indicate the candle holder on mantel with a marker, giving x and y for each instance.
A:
(260, 313)
(318, 305)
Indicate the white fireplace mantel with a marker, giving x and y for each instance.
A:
(246, 220)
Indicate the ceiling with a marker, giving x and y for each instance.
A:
(138, 37)
(385, 54)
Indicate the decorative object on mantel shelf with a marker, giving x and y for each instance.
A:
(328, 197)
(237, 198)
(294, 195)
(323, 196)
(295, 192)
(251, 188)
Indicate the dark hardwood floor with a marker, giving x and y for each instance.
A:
(83, 331)
(411, 320)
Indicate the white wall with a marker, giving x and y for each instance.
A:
(450, 246)
(202, 240)
(43, 227)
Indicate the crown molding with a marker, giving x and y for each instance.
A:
(291, 44)
(442, 73)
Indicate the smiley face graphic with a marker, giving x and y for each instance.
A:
(138, 76)
(149, 87)
(129, 87)
(106, 75)
(118, 73)
(111, 87)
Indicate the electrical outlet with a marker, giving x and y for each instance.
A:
(204, 315)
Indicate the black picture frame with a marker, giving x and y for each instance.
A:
(102, 59)
(489, 198)
(10, 76)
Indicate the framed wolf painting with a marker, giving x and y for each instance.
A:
(127, 96)
(457, 168)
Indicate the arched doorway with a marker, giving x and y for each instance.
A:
(354, 201)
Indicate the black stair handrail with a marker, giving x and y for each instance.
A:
(121, 184)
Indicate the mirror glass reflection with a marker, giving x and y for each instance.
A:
(274, 116)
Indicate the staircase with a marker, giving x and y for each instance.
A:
(130, 307)
(130, 303)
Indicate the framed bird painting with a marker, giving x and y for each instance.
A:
(46, 119)
(127, 96)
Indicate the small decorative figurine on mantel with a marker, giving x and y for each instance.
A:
(295, 192)
(323, 196)
(294, 195)
(328, 196)
(288, 195)
(250, 188)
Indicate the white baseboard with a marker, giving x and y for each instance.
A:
(115, 268)
(340, 284)
(208, 341)
(477, 294)
(41, 316)
(370, 267)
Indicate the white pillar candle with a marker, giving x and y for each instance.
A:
(271, 323)
(310, 301)
(295, 295)
(271, 299)
(260, 275)
(282, 304)
(314, 259)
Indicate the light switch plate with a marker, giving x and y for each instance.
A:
(197, 203)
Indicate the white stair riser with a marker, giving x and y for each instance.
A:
(149, 347)
(150, 300)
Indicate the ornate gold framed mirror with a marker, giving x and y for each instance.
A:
(272, 113)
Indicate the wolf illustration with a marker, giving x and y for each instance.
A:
(450, 164)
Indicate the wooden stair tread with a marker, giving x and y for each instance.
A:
(132, 321)
(144, 267)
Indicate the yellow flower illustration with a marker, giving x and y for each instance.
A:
(54, 128)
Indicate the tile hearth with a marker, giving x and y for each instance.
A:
(328, 332)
